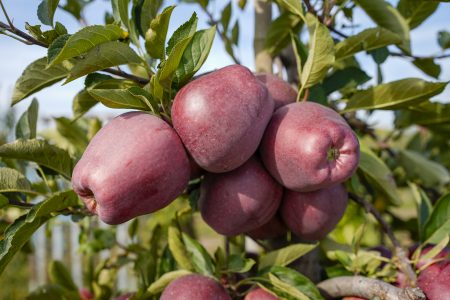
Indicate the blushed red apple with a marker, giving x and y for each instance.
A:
(435, 281)
(260, 294)
(272, 229)
(281, 91)
(308, 146)
(312, 215)
(221, 117)
(241, 200)
(134, 165)
(194, 287)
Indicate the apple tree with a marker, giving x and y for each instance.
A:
(284, 155)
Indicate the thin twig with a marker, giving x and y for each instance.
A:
(404, 263)
(33, 41)
(21, 204)
(367, 288)
(222, 34)
(398, 54)
(6, 15)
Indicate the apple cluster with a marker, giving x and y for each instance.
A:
(268, 163)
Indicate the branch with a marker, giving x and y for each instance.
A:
(32, 41)
(222, 34)
(367, 288)
(400, 253)
(21, 204)
(398, 54)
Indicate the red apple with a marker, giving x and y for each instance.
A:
(281, 91)
(241, 200)
(133, 166)
(308, 146)
(221, 117)
(435, 281)
(86, 294)
(260, 294)
(272, 229)
(312, 215)
(194, 287)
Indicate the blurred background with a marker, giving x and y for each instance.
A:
(27, 272)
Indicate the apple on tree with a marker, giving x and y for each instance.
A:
(135, 165)
(221, 117)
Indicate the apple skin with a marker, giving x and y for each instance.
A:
(435, 281)
(241, 200)
(308, 146)
(194, 287)
(86, 294)
(422, 262)
(312, 215)
(133, 166)
(272, 229)
(221, 117)
(281, 91)
(260, 294)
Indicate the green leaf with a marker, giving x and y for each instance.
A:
(296, 280)
(155, 37)
(103, 56)
(377, 173)
(75, 7)
(40, 152)
(12, 180)
(293, 6)
(286, 288)
(178, 249)
(46, 11)
(122, 5)
(424, 207)
(3, 201)
(428, 66)
(82, 103)
(165, 74)
(26, 126)
(284, 256)
(320, 54)
(83, 41)
(429, 172)
(416, 11)
(194, 55)
(278, 34)
(299, 54)
(73, 133)
(159, 285)
(201, 260)
(438, 225)
(145, 13)
(444, 39)
(239, 264)
(384, 15)
(185, 30)
(19, 232)
(36, 77)
(47, 36)
(395, 94)
(59, 275)
(366, 40)
(427, 113)
(226, 16)
(235, 33)
(351, 76)
(122, 98)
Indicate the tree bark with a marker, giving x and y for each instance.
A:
(263, 18)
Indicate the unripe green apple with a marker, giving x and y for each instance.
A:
(133, 166)
(194, 287)
(312, 215)
(221, 117)
(281, 91)
(241, 200)
(308, 146)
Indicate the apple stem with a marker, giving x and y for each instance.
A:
(332, 154)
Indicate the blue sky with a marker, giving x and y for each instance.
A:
(57, 100)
